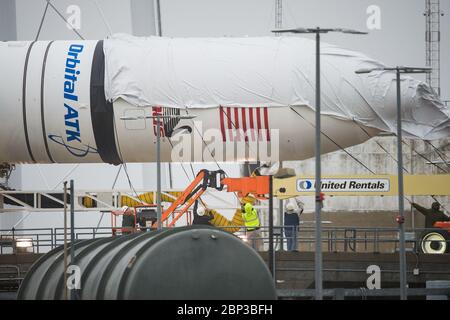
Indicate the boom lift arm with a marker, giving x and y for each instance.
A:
(257, 186)
(204, 179)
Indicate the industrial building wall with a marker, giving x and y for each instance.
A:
(378, 161)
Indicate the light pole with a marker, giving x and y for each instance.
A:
(158, 154)
(158, 17)
(401, 209)
(73, 292)
(318, 201)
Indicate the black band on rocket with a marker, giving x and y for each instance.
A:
(102, 112)
(24, 102)
(44, 130)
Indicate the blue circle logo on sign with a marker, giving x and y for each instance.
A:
(303, 185)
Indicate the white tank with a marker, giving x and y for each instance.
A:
(53, 106)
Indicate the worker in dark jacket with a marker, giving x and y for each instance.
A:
(291, 223)
(128, 220)
(201, 216)
(432, 215)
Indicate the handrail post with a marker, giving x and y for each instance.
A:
(14, 240)
(271, 253)
(65, 240)
(72, 232)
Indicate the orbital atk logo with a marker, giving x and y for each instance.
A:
(72, 141)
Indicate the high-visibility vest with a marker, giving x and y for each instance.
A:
(250, 216)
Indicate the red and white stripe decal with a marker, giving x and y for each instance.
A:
(230, 128)
(157, 110)
(234, 121)
(222, 125)
(252, 126)
(266, 123)
(244, 123)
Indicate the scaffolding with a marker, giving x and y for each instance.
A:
(433, 15)
(278, 15)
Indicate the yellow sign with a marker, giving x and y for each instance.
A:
(363, 185)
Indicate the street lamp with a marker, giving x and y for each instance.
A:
(158, 154)
(318, 202)
(401, 219)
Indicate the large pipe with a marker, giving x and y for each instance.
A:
(184, 263)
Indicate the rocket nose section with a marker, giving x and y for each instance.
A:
(431, 116)
(424, 115)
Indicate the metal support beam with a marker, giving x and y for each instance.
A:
(281, 223)
(8, 28)
(72, 232)
(318, 202)
(158, 18)
(433, 15)
(65, 241)
(401, 205)
(278, 15)
(158, 171)
(271, 248)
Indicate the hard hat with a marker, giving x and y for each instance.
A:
(248, 206)
(201, 211)
(125, 208)
(290, 207)
(248, 199)
(436, 205)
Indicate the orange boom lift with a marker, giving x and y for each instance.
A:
(258, 186)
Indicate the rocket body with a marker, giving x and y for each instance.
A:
(54, 109)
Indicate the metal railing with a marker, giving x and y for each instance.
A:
(45, 239)
(360, 293)
(41, 239)
(334, 239)
(343, 239)
(10, 277)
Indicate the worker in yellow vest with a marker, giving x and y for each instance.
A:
(252, 225)
(251, 218)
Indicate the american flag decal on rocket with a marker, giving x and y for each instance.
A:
(167, 124)
(249, 124)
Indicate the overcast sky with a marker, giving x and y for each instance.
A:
(399, 41)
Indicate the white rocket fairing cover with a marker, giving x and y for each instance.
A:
(268, 71)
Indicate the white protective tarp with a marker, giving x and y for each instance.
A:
(266, 71)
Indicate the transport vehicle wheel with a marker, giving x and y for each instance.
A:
(435, 242)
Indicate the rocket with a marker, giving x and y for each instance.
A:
(250, 98)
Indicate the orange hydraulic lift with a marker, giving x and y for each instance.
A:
(258, 186)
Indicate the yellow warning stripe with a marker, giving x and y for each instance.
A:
(127, 201)
(148, 198)
(230, 226)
